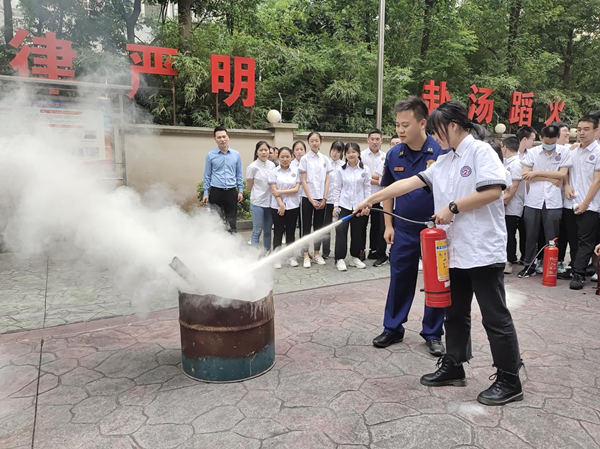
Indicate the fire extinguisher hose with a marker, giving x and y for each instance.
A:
(429, 224)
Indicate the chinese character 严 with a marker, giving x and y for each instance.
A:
(152, 63)
(244, 74)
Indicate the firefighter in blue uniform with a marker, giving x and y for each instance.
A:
(417, 152)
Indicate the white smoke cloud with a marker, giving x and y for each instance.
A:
(52, 203)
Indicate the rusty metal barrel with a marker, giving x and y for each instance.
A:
(226, 340)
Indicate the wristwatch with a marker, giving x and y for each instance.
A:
(453, 207)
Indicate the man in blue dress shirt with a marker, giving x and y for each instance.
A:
(223, 178)
(417, 151)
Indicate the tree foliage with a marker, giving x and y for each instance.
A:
(320, 58)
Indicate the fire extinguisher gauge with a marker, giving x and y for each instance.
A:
(430, 224)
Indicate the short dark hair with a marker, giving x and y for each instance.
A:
(589, 118)
(259, 144)
(220, 128)
(284, 149)
(414, 104)
(337, 146)
(314, 133)
(299, 142)
(395, 136)
(453, 112)
(374, 131)
(594, 114)
(512, 143)
(524, 132)
(550, 131)
(560, 125)
(496, 147)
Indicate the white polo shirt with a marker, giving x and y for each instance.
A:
(258, 172)
(586, 161)
(375, 162)
(335, 165)
(476, 238)
(285, 180)
(316, 166)
(517, 202)
(352, 185)
(541, 192)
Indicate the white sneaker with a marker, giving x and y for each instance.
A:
(540, 267)
(420, 265)
(320, 260)
(307, 263)
(356, 262)
(293, 262)
(249, 242)
(508, 268)
(341, 265)
(277, 265)
(595, 277)
(283, 240)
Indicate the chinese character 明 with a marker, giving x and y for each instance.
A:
(244, 78)
(150, 65)
(53, 58)
(435, 95)
(556, 108)
(481, 107)
(521, 109)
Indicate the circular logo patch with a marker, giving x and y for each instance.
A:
(465, 171)
(592, 157)
(557, 158)
(363, 175)
(293, 175)
(324, 164)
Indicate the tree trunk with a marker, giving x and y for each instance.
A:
(568, 59)
(425, 40)
(184, 14)
(131, 19)
(513, 33)
(8, 21)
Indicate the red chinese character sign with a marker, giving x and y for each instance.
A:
(153, 62)
(521, 108)
(52, 58)
(556, 108)
(243, 78)
(482, 108)
(435, 95)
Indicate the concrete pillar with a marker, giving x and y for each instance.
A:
(284, 133)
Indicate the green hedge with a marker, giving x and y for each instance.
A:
(243, 212)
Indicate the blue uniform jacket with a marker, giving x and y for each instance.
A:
(401, 163)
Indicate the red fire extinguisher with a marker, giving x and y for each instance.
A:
(550, 263)
(436, 267)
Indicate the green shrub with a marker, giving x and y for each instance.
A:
(243, 212)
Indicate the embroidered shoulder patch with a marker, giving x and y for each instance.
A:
(430, 162)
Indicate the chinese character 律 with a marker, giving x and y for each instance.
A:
(435, 95)
(556, 108)
(521, 109)
(481, 107)
(244, 74)
(53, 58)
(152, 63)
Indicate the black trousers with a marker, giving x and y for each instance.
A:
(358, 235)
(533, 221)
(226, 201)
(376, 241)
(326, 222)
(311, 219)
(587, 233)
(284, 224)
(567, 235)
(488, 285)
(512, 224)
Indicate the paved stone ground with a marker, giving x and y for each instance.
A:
(117, 383)
(49, 291)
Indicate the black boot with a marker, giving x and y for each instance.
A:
(506, 388)
(448, 373)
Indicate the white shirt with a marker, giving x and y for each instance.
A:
(296, 164)
(335, 165)
(476, 238)
(517, 202)
(541, 192)
(316, 166)
(375, 162)
(351, 186)
(586, 162)
(258, 172)
(285, 180)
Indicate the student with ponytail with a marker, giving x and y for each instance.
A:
(467, 185)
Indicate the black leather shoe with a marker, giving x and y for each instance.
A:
(576, 282)
(506, 388)
(372, 255)
(386, 339)
(565, 276)
(448, 373)
(381, 261)
(436, 347)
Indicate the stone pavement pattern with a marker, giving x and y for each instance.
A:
(118, 383)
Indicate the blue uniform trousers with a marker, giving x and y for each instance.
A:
(404, 263)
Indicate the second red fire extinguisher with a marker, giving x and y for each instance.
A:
(436, 267)
(550, 264)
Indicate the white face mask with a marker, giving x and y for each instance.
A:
(547, 147)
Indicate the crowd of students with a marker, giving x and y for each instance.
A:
(302, 188)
